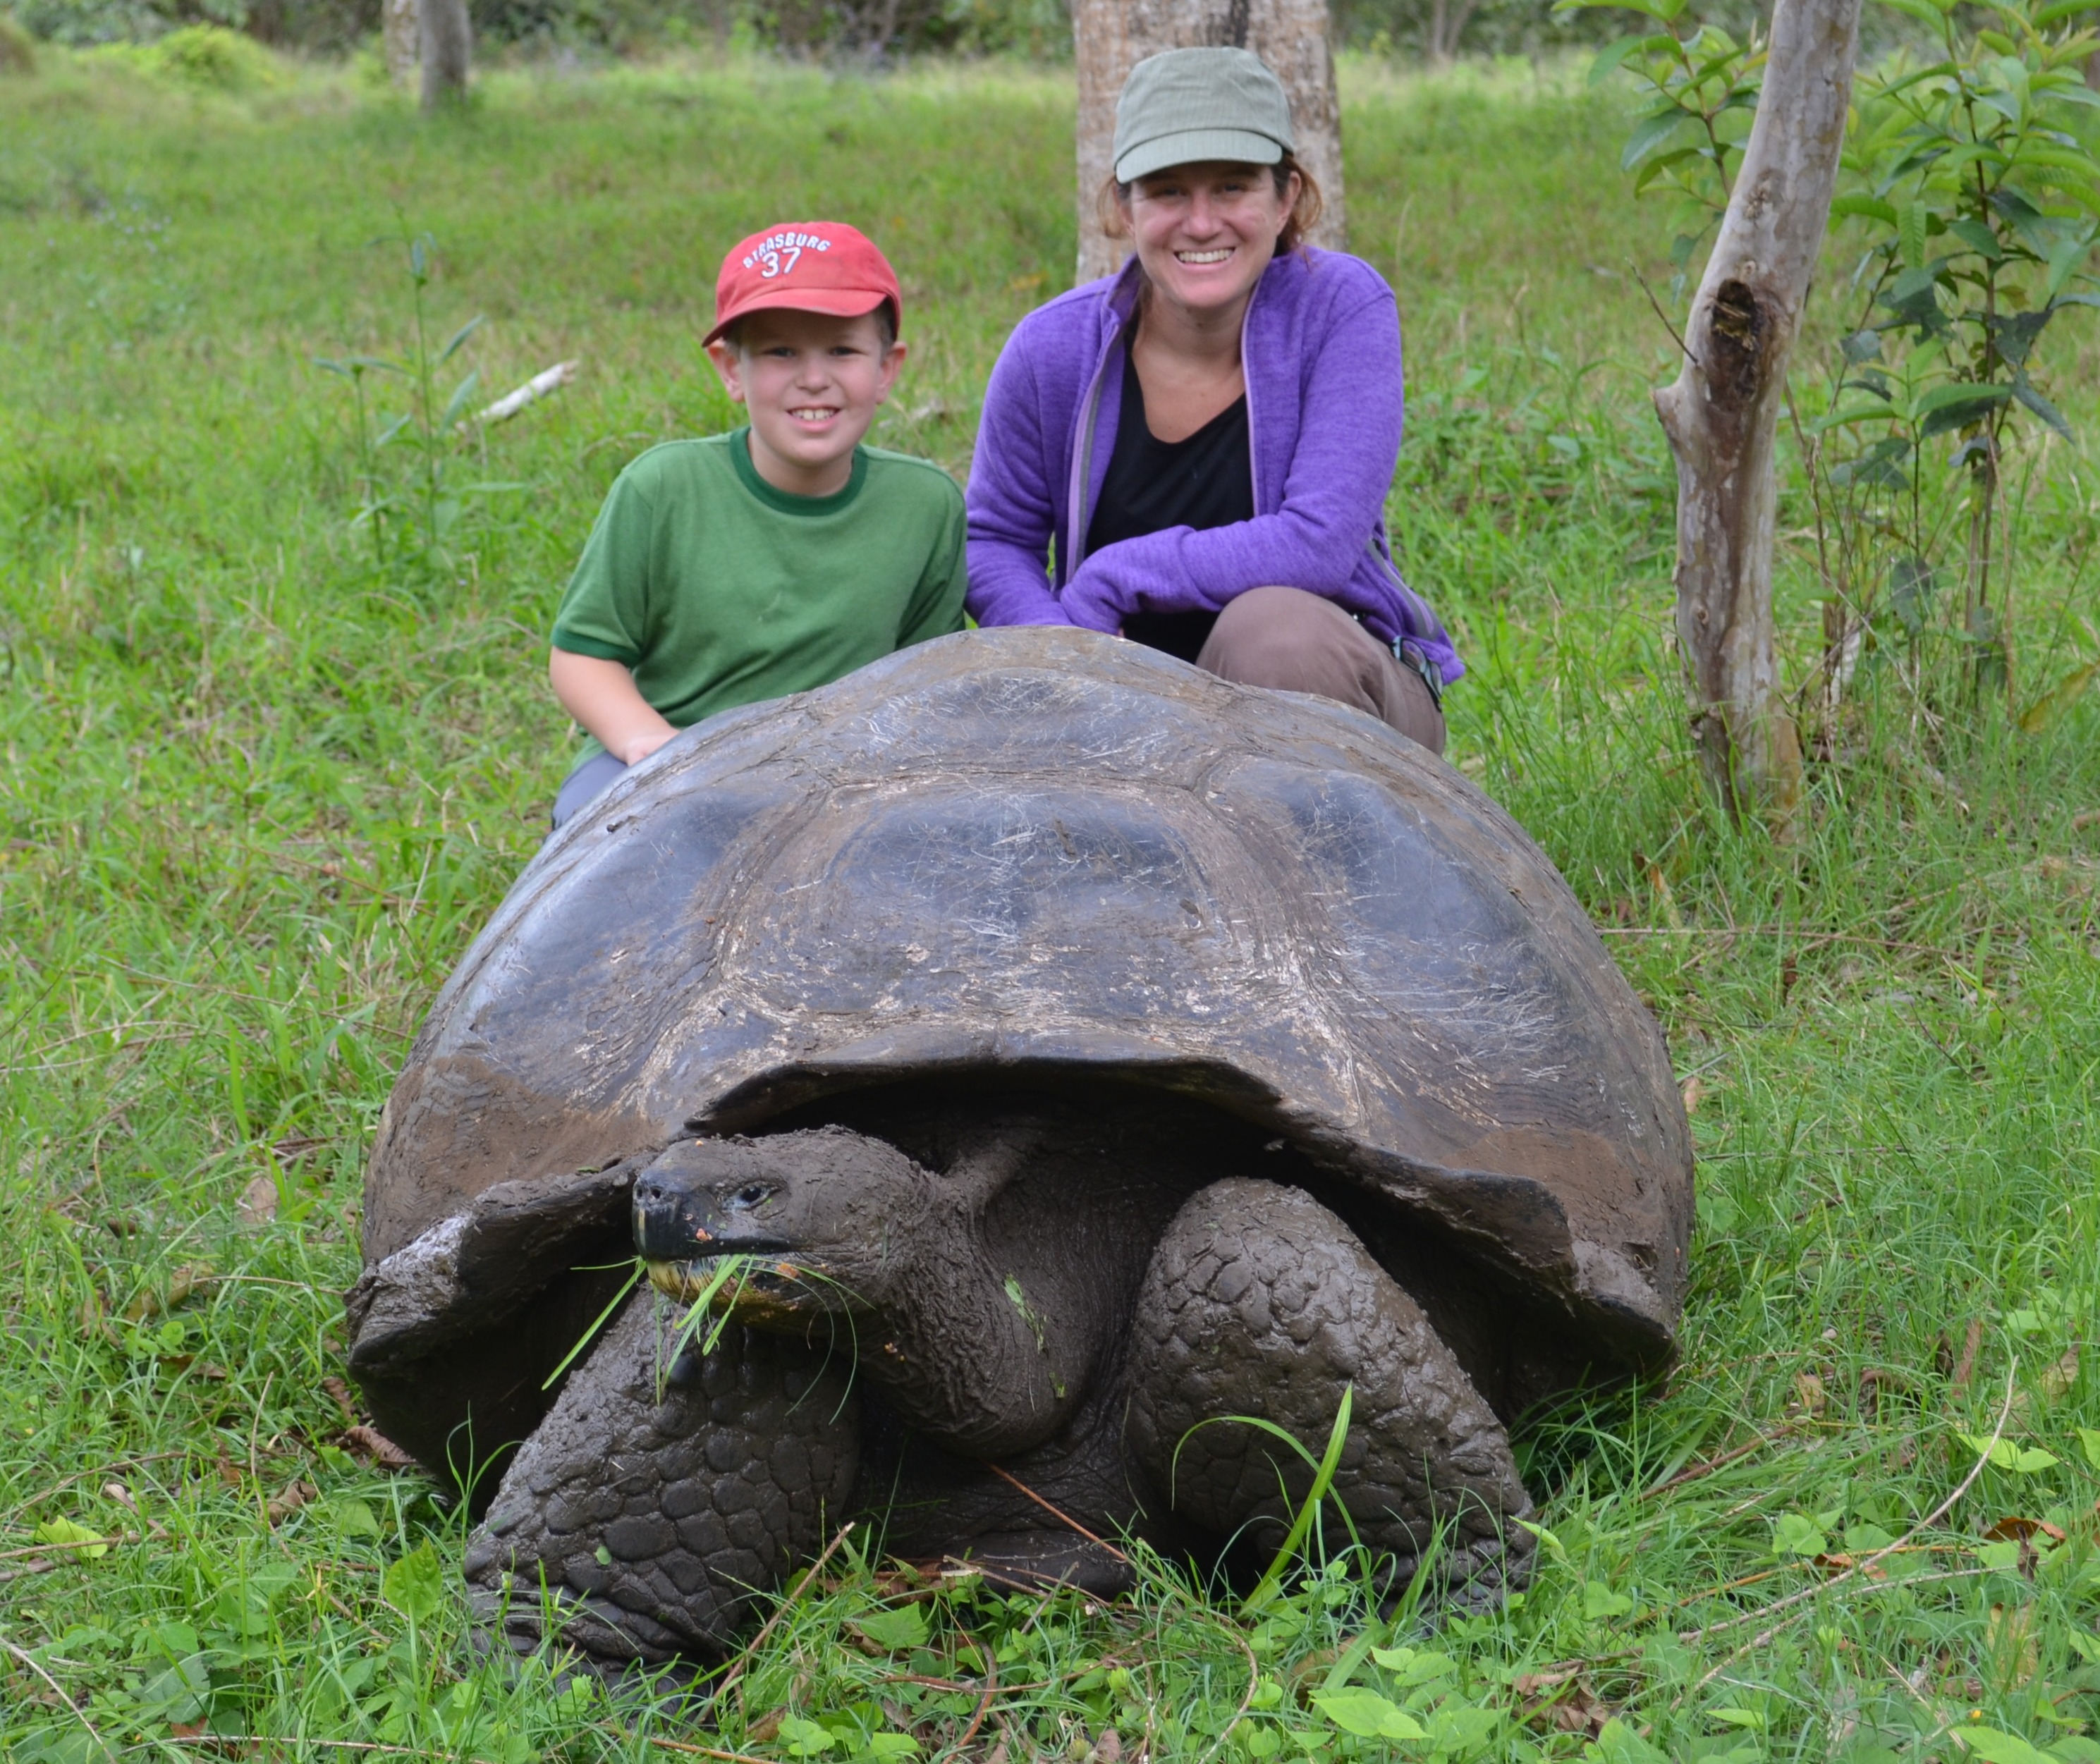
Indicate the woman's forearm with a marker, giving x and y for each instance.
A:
(1007, 586)
(601, 696)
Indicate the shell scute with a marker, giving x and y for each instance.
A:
(1042, 849)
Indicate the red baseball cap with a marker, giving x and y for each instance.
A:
(808, 265)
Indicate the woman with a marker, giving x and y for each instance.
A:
(1196, 452)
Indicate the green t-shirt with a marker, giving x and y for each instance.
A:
(718, 589)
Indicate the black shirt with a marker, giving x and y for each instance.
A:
(1204, 481)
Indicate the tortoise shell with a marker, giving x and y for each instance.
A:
(1039, 856)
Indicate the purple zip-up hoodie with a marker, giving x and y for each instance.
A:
(1320, 344)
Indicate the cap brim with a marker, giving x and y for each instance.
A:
(833, 302)
(1192, 147)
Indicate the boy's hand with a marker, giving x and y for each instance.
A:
(643, 745)
(601, 695)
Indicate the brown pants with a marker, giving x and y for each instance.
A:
(1299, 643)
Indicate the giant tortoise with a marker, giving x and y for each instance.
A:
(1077, 1049)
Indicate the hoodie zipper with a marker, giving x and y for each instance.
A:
(1082, 456)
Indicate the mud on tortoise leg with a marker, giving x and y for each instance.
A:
(1261, 1301)
(648, 1527)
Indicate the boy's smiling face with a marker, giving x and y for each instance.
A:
(812, 384)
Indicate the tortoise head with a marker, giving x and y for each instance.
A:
(822, 1215)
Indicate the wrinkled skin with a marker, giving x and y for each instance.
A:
(1077, 934)
(1062, 1294)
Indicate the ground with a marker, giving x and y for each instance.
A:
(277, 738)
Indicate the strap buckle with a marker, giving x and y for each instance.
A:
(1409, 654)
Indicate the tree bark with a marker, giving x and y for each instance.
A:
(1111, 36)
(448, 45)
(402, 41)
(1721, 415)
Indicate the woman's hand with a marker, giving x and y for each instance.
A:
(1090, 601)
(601, 695)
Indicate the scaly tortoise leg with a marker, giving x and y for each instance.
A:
(1260, 1302)
(648, 1527)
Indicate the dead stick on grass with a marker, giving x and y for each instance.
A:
(1693, 1472)
(1860, 1568)
(1015, 1482)
(31, 1662)
(1965, 1368)
(991, 1689)
(735, 1674)
(681, 1745)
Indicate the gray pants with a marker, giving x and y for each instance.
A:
(1299, 643)
(585, 785)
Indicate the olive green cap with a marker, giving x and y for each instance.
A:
(1186, 105)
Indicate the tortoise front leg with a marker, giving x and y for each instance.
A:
(1260, 1302)
(647, 1527)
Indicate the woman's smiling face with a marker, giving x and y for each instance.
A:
(1204, 232)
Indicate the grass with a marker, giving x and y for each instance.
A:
(264, 778)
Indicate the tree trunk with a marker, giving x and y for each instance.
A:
(1111, 36)
(448, 43)
(1723, 413)
(402, 41)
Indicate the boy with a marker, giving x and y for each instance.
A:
(778, 556)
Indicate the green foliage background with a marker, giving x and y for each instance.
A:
(260, 788)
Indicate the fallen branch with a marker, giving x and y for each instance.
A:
(679, 1745)
(1863, 1566)
(991, 1689)
(1693, 1473)
(735, 1673)
(549, 380)
(1057, 1512)
(30, 1661)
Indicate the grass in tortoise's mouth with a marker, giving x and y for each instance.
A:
(726, 1280)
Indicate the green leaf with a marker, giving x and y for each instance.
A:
(1993, 1747)
(353, 1518)
(1323, 1479)
(66, 1531)
(1609, 57)
(891, 1745)
(1796, 1535)
(1554, 1547)
(457, 402)
(1943, 415)
(903, 1628)
(2089, 1439)
(1650, 133)
(2039, 717)
(1872, 207)
(1910, 232)
(1738, 1717)
(1414, 1666)
(2064, 262)
(1619, 1743)
(2006, 1454)
(805, 1738)
(414, 1585)
(460, 336)
(1600, 1602)
(1367, 1714)
(2033, 401)
(1978, 237)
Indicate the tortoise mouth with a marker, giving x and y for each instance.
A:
(728, 1280)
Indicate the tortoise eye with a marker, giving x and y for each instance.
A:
(752, 1194)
